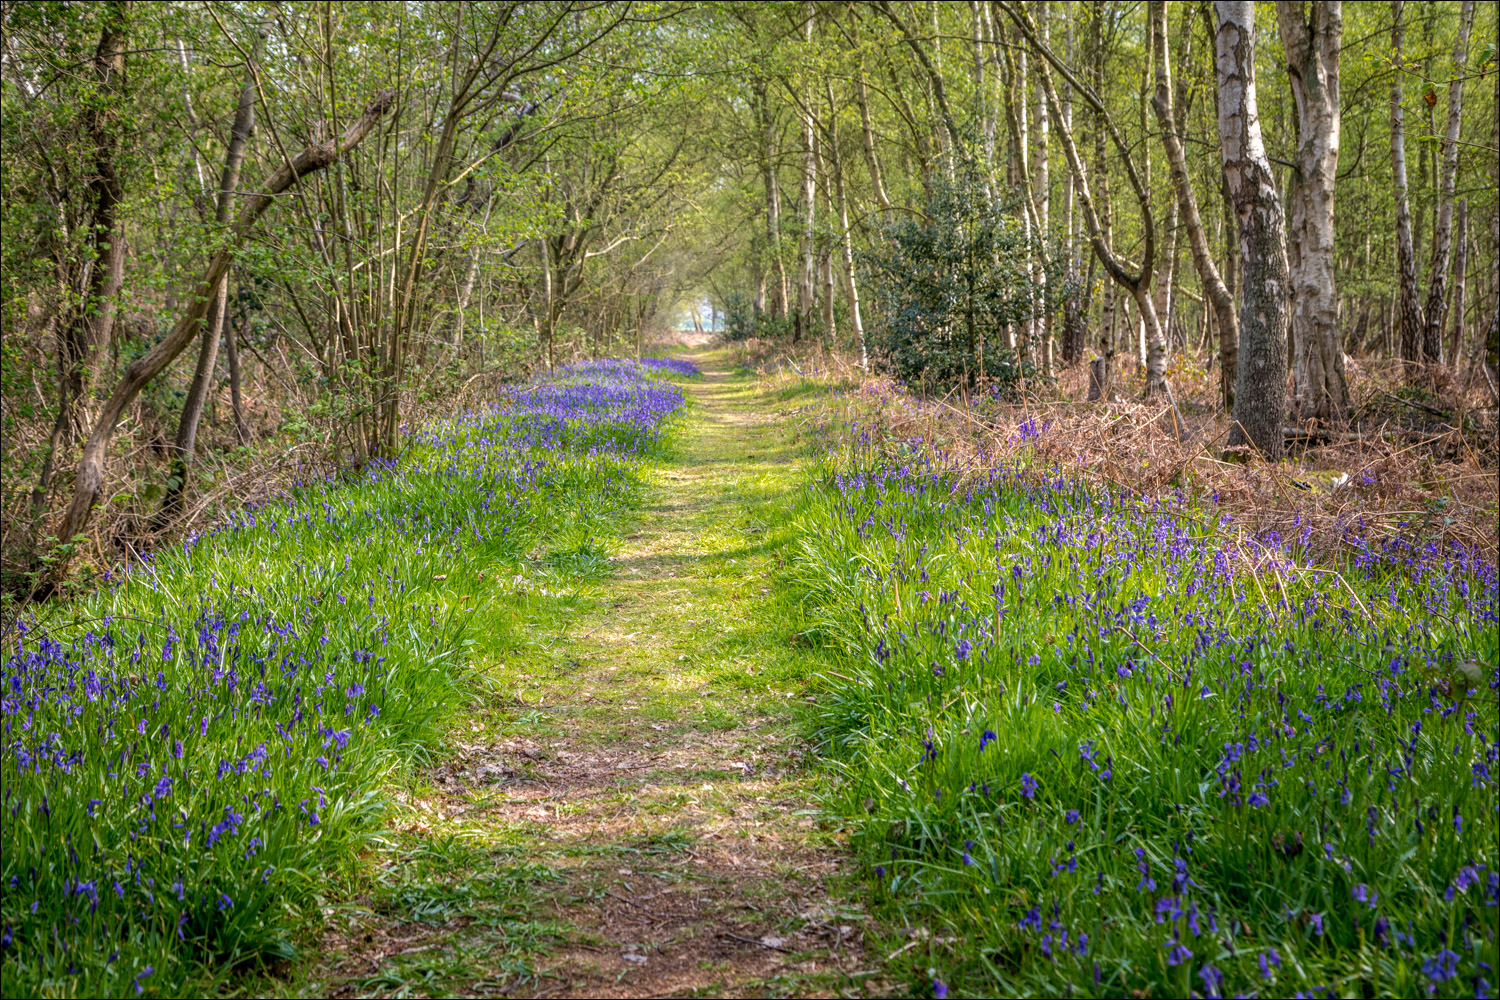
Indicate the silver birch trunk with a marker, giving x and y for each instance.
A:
(1312, 43)
(1460, 272)
(1043, 201)
(1219, 296)
(1260, 382)
(1409, 309)
(1442, 239)
(846, 240)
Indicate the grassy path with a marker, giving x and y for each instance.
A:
(630, 812)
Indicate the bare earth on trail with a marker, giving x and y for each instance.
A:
(629, 812)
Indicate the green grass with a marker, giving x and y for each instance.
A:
(1061, 713)
(194, 769)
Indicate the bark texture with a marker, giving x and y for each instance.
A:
(1312, 36)
(1409, 307)
(1260, 381)
(1435, 311)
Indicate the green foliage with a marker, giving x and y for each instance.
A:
(1100, 745)
(225, 715)
(944, 288)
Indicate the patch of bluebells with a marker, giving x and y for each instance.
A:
(1185, 711)
(173, 775)
(673, 366)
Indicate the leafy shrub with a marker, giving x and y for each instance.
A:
(943, 289)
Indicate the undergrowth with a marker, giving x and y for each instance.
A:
(1096, 742)
(191, 754)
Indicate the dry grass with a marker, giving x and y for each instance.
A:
(1419, 463)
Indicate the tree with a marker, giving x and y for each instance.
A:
(1409, 308)
(1312, 37)
(90, 474)
(1214, 288)
(213, 326)
(1442, 238)
(1260, 382)
(1136, 280)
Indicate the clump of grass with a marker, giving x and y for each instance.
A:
(183, 770)
(1099, 743)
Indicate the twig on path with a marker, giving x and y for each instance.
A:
(631, 902)
(762, 944)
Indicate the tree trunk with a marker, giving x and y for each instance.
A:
(1042, 200)
(90, 475)
(1410, 308)
(1460, 273)
(1073, 304)
(1312, 44)
(807, 284)
(1260, 383)
(1138, 282)
(1437, 276)
(846, 238)
(87, 328)
(1361, 329)
(546, 316)
(861, 94)
(241, 427)
(185, 441)
(1214, 288)
(779, 291)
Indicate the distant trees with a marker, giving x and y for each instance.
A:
(551, 179)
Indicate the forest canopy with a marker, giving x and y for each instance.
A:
(242, 236)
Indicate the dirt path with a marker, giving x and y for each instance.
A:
(630, 814)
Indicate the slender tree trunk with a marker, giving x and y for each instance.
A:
(1460, 273)
(545, 327)
(1492, 335)
(89, 480)
(1074, 306)
(185, 441)
(1109, 308)
(983, 111)
(846, 238)
(778, 281)
(808, 281)
(872, 160)
(1042, 199)
(1442, 238)
(1312, 43)
(1260, 388)
(1361, 329)
(1214, 289)
(236, 401)
(1410, 308)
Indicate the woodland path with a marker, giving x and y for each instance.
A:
(631, 812)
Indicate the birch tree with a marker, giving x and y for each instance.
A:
(1260, 381)
(1312, 37)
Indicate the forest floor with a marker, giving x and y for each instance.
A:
(629, 810)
